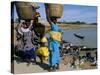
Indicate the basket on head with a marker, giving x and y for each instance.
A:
(55, 10)
(24, 10)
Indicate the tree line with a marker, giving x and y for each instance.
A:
(77, 22)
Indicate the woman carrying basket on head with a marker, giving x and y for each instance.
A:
(54, 43)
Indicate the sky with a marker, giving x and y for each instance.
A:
(72, 13)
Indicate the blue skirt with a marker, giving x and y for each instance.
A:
(54, 55)
(28, 54)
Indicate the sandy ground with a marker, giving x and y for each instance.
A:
(22, 67)
(39, 68)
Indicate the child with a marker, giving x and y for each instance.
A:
(42, 51)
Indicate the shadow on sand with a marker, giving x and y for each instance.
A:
(43, 65)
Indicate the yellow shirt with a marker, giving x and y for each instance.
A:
(42, 51)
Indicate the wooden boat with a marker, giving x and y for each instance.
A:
(79, 36)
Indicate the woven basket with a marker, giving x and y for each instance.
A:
(55, 10)
(24, 10)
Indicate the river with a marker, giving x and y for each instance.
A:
(90, 36)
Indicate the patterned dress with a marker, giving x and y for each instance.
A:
(25, 46)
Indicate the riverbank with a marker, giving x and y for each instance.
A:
(73, 26)
(76, 26)
(68, 26)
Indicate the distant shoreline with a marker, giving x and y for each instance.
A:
(74, 26)
(68, 26)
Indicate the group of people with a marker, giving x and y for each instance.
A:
(25, 46)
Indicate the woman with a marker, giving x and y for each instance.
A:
(54, 43)
(25, 47)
